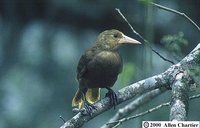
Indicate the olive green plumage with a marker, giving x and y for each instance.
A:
(98, 68)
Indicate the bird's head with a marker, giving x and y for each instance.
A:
(112, 39)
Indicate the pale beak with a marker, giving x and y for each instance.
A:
(126, 39)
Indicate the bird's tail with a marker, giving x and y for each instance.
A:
(77, 100)
(92, 95)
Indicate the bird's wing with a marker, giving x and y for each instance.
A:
(83, 62)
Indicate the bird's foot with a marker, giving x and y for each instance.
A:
(88, 108)
(113, 97)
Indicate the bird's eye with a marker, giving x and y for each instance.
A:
(115, 35)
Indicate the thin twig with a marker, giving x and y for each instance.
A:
(146, 112)
(134, 105)
(176, 12)
(147, 42)
(194, 97)
(62, 118)
(140, 114)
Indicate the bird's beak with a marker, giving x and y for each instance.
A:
(126, 39)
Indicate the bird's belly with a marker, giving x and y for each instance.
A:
(104, 69)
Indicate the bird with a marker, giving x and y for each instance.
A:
(99, 68)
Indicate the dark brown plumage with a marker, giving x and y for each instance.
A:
(98, 68)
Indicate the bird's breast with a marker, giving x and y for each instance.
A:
(108, 59)
(104, 68)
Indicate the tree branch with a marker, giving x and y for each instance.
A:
(176, 12)
(128, 109)
(162, 80)
(146, 41)
(118, 122)
(179, 102)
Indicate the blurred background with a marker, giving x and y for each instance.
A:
(41, 42)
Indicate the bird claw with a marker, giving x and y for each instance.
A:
(113, 97)
(88, 108)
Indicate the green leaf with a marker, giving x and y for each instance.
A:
(175, 43)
